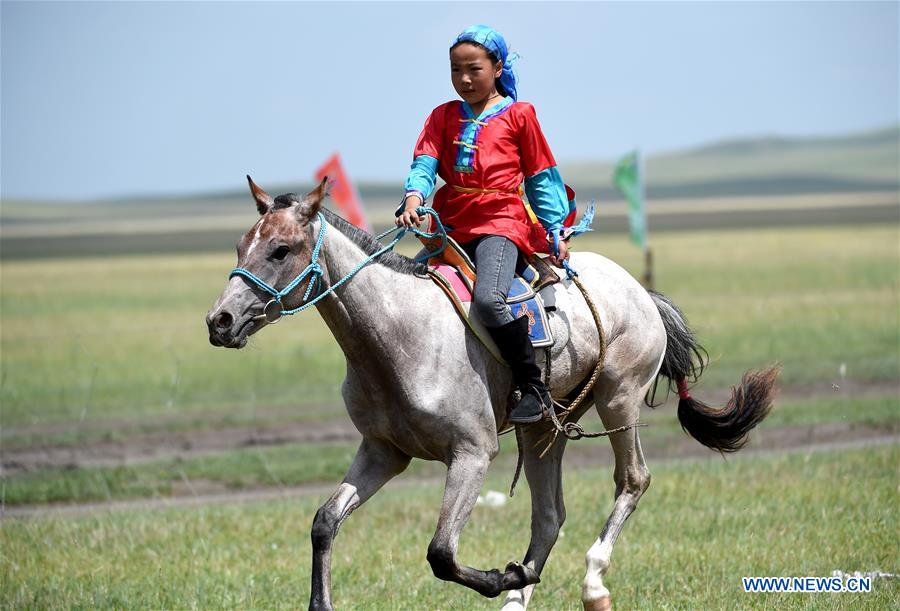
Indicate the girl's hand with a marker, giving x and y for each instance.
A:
(409, 217)
(563, 254)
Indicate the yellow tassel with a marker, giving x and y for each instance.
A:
(531, 214)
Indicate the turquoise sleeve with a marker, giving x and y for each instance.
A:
(421, 177)
(547, 197)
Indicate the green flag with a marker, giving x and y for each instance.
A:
(627, 177)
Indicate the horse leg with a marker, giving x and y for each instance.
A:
(373, 466)
(548, 511)
(632, 478)
(465, 475)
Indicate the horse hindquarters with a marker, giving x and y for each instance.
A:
(636, 344)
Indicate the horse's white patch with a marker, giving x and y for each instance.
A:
(597, 563)
(515, 600)
(255, 240)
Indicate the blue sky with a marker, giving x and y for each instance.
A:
(138, 98)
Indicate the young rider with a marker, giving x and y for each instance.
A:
(485, 147)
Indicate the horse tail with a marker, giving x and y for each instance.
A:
(720, 428)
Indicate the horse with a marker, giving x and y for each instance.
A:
(419, 384)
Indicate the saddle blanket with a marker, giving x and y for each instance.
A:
(522, 299)
(453, 271)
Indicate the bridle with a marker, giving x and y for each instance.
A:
(273, 310)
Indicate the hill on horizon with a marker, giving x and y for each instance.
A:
(766, 165)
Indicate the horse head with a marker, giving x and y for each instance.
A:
(271, 255)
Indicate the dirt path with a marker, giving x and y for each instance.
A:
(132, 447)
(864, 438)
(817, 438)
(174, 444)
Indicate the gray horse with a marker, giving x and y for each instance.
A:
(414, 335)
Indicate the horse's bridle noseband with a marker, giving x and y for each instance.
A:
(273, 311)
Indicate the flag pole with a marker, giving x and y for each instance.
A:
(648, 253)
(628, 176)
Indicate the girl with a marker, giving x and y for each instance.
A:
(484, 147)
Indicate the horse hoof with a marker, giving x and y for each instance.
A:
(600, 604)
(517, 576)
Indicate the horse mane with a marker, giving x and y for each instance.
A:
(369, 245)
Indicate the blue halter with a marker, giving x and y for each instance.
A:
(273, 311)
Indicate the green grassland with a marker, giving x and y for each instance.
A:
(122, 340)
(813, 299)
(701, 526)
(99, 348)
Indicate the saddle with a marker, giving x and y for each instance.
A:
(454, 272)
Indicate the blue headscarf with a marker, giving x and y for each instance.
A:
(493, 41)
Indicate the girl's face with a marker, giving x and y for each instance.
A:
(473, 73)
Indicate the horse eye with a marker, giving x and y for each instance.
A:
(281, 252)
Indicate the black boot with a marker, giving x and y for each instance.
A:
(515, 346)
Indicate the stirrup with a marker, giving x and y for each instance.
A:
(533, 418)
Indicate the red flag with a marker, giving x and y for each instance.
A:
(343, 192)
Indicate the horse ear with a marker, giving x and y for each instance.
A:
(263, 200)
(313, 201)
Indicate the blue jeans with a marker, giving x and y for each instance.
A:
(495, 260)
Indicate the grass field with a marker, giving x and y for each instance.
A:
(776, 249)
(701, 526)
(123, 340)
(113, 350)
(304, 463)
